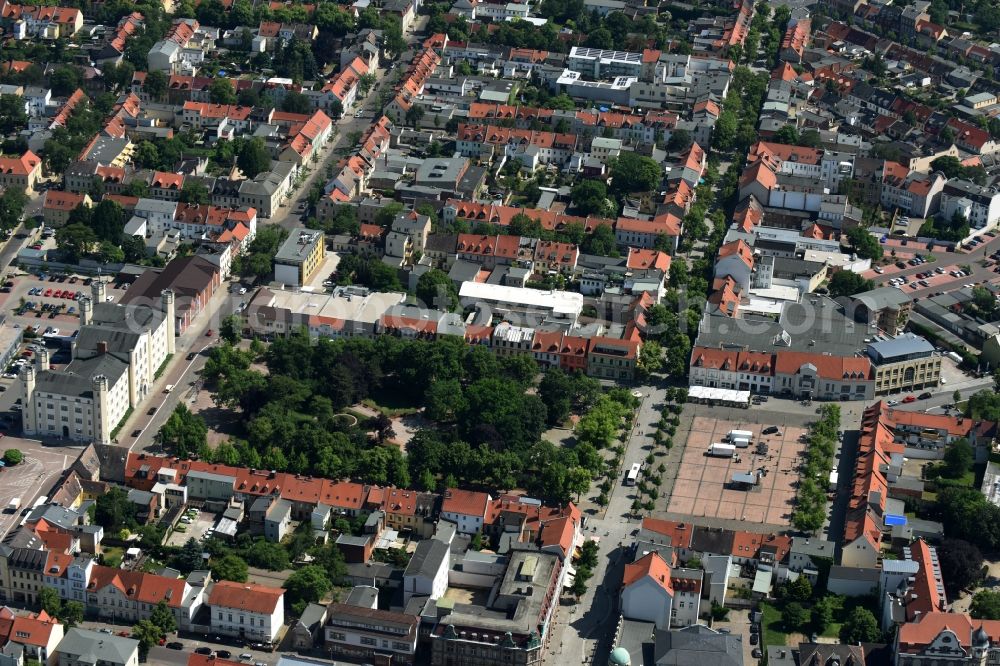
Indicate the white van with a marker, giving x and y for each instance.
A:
(169, 388)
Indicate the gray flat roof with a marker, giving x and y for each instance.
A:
(816, 325)
(907, 344)
(298, 246)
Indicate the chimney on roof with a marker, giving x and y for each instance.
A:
(102, 347)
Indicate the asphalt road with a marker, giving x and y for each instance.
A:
(585, 629)
(289, 216)
(181, 373)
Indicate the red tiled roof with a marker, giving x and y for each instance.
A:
(248, 597)
(33, 629)
(465, 502)
(652, 566)
(138, 585)
(20, 166)
(678, 533)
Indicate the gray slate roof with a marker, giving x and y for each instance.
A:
(697, 645)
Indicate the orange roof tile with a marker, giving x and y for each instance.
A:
(248, 597)
(652, 566)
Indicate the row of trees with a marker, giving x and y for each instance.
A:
(810, 504)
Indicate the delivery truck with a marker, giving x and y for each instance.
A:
(722, 450)
(739, 434)
(740, 442)
(14, 505)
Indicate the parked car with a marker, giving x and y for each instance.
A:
(175, 645)
(203, 650)
(908, 399)
(925, 395)
(223, 654)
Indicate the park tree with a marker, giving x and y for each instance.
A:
(958, 459)
(72, 613)
(985, 605)
(590, 197)
(961, 564)
(847, 283)
(631, 172)
(444, 400)
(163, 617)
(13, 457)
(184, 432)
(229, 567)
(306, 585)
(253, 158)
(221, 91)
(114, 511)
(48, 599)
(794, 617)
(860, 627)
(436, 290)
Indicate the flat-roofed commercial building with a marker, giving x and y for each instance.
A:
(347, 312)
(299, 257)
(905, 363)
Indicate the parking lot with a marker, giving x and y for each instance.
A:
(704, 485)
(40, 303)
(194, 530)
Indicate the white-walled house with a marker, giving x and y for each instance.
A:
(647, 594)
(466, 508)
(246, 610)
(427, 572)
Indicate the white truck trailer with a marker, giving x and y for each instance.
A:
(722, 450)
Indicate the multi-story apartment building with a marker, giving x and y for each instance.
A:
(977, 204)
(370, 635)
(299, 257)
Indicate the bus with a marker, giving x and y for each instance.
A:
(633, 475)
